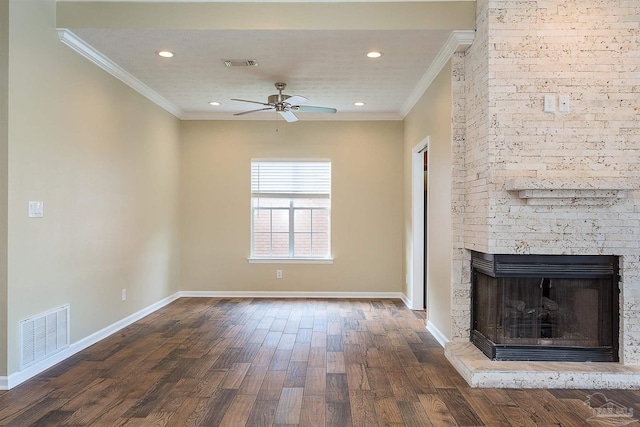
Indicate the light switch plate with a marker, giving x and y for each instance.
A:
(549, 103)
(36, 209)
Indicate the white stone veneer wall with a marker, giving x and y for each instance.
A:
(524, 50)
(460, 257)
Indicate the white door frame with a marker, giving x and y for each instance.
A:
(417, 219)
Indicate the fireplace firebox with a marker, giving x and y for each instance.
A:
(545, 307)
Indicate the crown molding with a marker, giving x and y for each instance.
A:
(458, 41)
(267, 1)
(306, 117)
(80, 46)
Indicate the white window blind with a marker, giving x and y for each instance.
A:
(291, 179)
(291, 209)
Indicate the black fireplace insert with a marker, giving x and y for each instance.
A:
(545, 307)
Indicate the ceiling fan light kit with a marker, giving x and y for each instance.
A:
(285, 105)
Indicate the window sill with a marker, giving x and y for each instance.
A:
(290, 260)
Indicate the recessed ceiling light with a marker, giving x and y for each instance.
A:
(374, 54)
(214, 103)
(165, 53)
(358, 104)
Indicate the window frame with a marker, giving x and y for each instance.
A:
(291, 209)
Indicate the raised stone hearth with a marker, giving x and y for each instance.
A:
(479, 371)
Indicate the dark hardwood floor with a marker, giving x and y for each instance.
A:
(267, 362)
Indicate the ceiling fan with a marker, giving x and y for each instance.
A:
(286, 105)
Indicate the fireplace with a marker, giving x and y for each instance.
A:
(545, 307)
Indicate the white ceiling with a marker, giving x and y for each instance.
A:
(329, 67)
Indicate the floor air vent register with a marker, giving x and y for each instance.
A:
(43, 335)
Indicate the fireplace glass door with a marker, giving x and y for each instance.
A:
(545, 318)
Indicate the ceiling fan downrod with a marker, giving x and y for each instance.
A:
(279, 98)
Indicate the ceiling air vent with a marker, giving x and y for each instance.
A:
(241, 63)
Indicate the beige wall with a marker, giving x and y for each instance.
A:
(366, 212)
(262, 15)
(4, 116)
(106, 163)
(104, 160)
(431, 116)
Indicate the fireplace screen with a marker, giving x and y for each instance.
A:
(545, 307)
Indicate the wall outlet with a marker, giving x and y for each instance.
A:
(563, 104)
(278, 274)
(124, 295)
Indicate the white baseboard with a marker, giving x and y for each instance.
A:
(407, 301)
(291, 294)
(439, 336)
(18, 378)
(13, 380)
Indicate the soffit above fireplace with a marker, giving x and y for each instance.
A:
(575, 191)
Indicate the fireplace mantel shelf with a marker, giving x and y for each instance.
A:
(531, 188)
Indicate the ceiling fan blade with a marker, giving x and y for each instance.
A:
(253, 102)
(295, 100)
(288, 116)
(312, 109)
(253, 111)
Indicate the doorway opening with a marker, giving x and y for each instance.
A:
(419, 205)
(426, 212)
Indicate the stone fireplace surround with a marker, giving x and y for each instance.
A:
(480, 371)
(529, 182)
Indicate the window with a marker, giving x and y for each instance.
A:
(291, 209)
